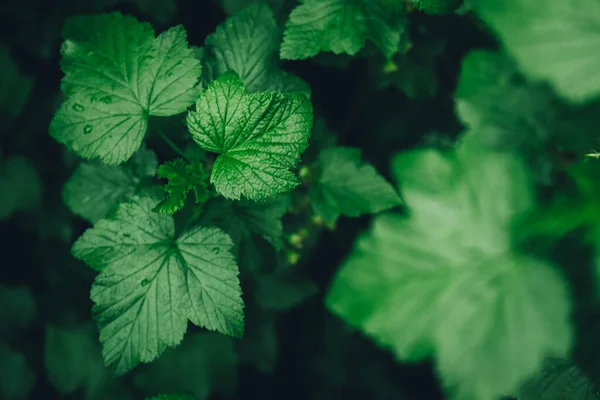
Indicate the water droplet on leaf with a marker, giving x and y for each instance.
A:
(88, 129)
(106, 100)
(78, 107)
(216, 250)
(144, 282)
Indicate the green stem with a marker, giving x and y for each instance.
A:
(176, 148)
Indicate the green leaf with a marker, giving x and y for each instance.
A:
(151, 283)
(525, 112)
(116, 75)
(95, 189)
(17, 380)
(525, 122)
(559, 379)
(16, 87)
(20, 186)
(183, 177)
(554, 41)
(205, 364)
(447, 281)
(340, 26)
(259, 137)
(248, 43)
(73, 360)
(347, 186)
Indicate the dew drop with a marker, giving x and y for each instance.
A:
(88, 129)
(78, 107)
(144, 282)
(216, 250)
(169, 74)
(106, 100)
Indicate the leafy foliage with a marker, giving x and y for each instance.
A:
(348, 187)
(248, 43)
(183, 177)
(477, 279)
(151, 283)
(418, 302)
(553, 41)
(96, 189)
(559, 379)
(258, 137)
(341, 26)
(116, 74)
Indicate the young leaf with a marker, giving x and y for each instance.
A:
(347, 186)
(259, 137)
(20, 186)
(95, 189)
(435, 282)
(554, 41)
(151, 283)
(205, 364)
(341, 26)
(116, 75)
(248, 43)
(183, 177)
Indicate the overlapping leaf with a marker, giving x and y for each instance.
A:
(447, 282)
(259, 137)
(248, 43)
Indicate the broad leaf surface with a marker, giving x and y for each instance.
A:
(341, 26)
(446, 280)
(116, 75)
(95, 189)
(554, 41)
(151, 283)
(259, 137)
